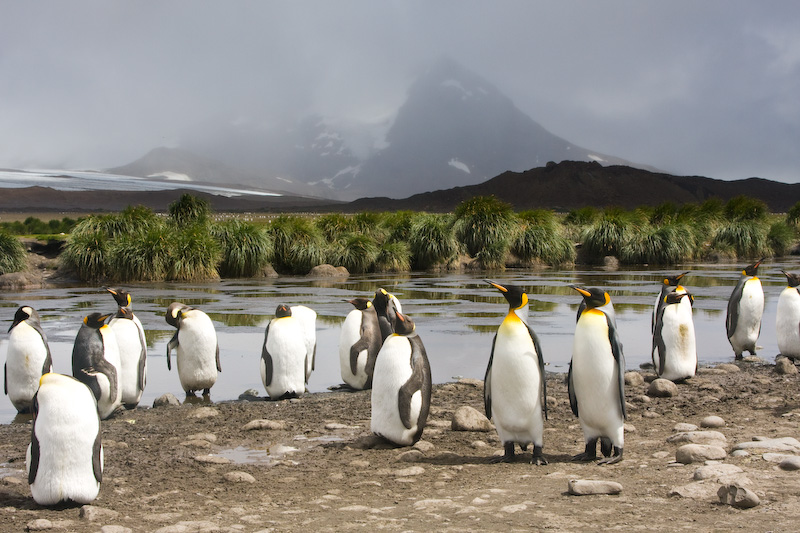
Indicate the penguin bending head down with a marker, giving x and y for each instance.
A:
(386, 305)
(787, 321)
(359, 344)
(745, 309)
(196, 347)
(284, 356)
(596, 380)
(96, 362)
(514, 388)
(27, 359)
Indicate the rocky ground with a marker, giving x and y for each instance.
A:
(312, 465)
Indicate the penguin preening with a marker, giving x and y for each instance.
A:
(787, 320)
(132, 349)
(196, 348)
(27, 358)
(669, 284)
(284, 356)
(674, 339)
(65, 457)
(514, 388)
(359, 344)
(401, 385)
(308, 322)
(386, 305)
(596, 380)
(745, 309)
(96, 362)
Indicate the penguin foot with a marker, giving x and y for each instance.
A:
(589, 454)
(538, 459)
(206, 392)
(739, 357)
(507, 457)
(617, 457)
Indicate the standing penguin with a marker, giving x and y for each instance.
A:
(596, 380)
(673, 338)
(308, 321)
(27, 358)
(284, 355)
(787, 321)
(514, 389)
(65, 457)
(96, 362)
(401, 386)
(669, 284)
(359, 344)
(386, 305)
(132, 349)
(745, 309)
(195, 344)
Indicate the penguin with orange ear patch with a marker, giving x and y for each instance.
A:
(96, 362)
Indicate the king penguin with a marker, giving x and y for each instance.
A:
(284, 356)
(132, 349)
(787, 321)
(196, 348)
(65, 457)
(674, 339)
(96, 362)
(386, 305)
(27, 358)
(359, 344)
(669, 284)
(745, 309)
(401, 385)
(596, 380)
(514, 388)
(308, 322)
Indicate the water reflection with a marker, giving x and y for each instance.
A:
(456, 314)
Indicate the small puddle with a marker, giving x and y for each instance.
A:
(275, 453)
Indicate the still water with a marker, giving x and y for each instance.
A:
(456, 317)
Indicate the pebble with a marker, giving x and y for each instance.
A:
(782, 444)
(697, 490)
(650, 414)
(468, 418)
(712, 422)
(662, 388)
(115, 529)
(249, 395)
(728, 367)
(410, 456)
(40, 524)
(359, 463)
(166, 399)
(737, 496)
(264, 424)
(785, 366)
(11, 480)
(641, 398)
(684, 426)
(714, 438)
(210, 437)
(790, 463)
(584, 487)
(479, 444)
(204, 412)
(93, 513)
(715, 471)
(407, 472)
(335, 425)
(239, 477)
(477, 383)
(661, 455)
(740, 453)
(634, 379)
(697, 453)
(193, 527)
(424, 446)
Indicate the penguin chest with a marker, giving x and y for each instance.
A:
(678, 338)
(350, 338)
(392, 371)
(131, 351)
(196, 353)
(287, 351)
(24, 364)
(751, 308)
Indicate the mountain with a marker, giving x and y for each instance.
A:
(573, 184)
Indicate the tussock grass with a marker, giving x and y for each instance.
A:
(660, 245)
(299, 245)
(781, 237)
(356, 252)
(87, 253)
(393, 257)
(189, 210)
(12, 254)
(605, 237)
(195, 254)
(432, 241)
(246, 248)
(333, 225)
(745, 238)
(146, 257)
(745, 208)
(543, 243)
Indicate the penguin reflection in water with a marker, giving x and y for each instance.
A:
(27, 359)
(514, 387)
(745, 309)
(96, 362)
(197, 350)
(596, 380)
(284, 356)
(65, 457)
(401, 385)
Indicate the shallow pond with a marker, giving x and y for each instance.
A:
(456, 317)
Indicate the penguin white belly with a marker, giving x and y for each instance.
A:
(787, 322)
(130, 353)
(308, 322)
(24, 360)
(678, 336)
(516, 387)
(196, 353)
(351, 334)
(392, 371)
(66, 428)
(751, 309)
(287, 349)
(595, 381)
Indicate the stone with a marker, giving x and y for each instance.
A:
(333, 426)
(264, 424)
(715, 472)
(728, 367)
(662, 388)
(40, 524)
(239, 477)
(408, 472)
(250, 395)
(195, 526)
(714, 438)
(410, 456)
(634, 379)
(424, 446)
(698, 453)
(610, 263)
(712, 422)
(328, 271)
(115, 529)
(585, 487)
(782, 444)
(790, 463)
(683, 427)
(204, 412)
(698, 490)
(93, 513)
(165, 400)
(11, 480)
(785, 366)
(740, 453)
(468, 418)
(472, 382)
(737, 496)
(210, 437)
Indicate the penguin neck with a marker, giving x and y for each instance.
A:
(521, 314)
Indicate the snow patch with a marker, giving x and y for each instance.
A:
(173, 176)
(455, 163)
(596, 158)
(455, 84)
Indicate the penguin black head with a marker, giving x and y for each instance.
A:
(381, 301)
(514, 294)
(403, 325)
(362, 304)
(96, 320)
(792, 279)
(174, 313)
(752, 270)
(121, 296)
(673, 281)
(674, 297)
(593, 297)
(283, 311)
(24, 313)
(124, 312)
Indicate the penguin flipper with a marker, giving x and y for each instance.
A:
(171, 345)
(419, 381)
(5, 378)
(88, 377)
(658, 344)
(732, 317)
(33, 464)
(538, 348)
(619, 357)
(219, 367)
(487, 383)
(97, 462)
(573, 400)
(267, 360)
(355, 350)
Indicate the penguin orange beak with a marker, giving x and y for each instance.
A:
(583, 292)
(496, 285)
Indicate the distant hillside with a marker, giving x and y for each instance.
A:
(572, 184)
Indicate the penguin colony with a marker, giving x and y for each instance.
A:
(380, 350)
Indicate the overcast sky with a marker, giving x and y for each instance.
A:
(709, 88)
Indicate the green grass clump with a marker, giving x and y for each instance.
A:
(745, 238)
(432, 241)
(745, 208)
(356, 252)
(793, 215)
(332, 225)
(542, 242)
(142, 257)
(246, 248)
(87, 253)
(667, 244)
(605, 237)
(195, 254)
(299, 244)
(485, 226)
(393, 256)
(583, 216)
(780, 238)
(398, 225)
(12, 254)
(189, 210)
